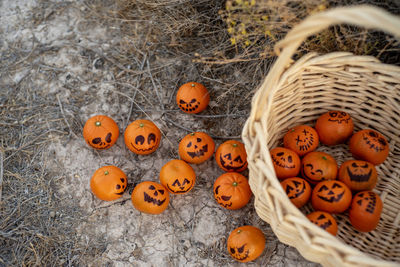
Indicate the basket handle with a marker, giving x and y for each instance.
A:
(362, 15)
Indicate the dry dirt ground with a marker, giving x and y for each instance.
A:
(58, 73)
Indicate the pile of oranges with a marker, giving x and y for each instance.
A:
(231, 189)
(310, 175)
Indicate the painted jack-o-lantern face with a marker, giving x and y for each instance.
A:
(100, 132)
(108, 183)
(318, 166)
(324, 220)
(365, 211)
(331, 196)
(192, 97)
(142, 137)
(177, 176)
(286, 162)
(298, 190)
(369, 145)
(232, 190)
(196, 147)
(301, 139)
(358, 175)
(150, 197)
(246, 243)
(334, 127)
(231, 156)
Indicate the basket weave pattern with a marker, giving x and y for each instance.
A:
(298, 93)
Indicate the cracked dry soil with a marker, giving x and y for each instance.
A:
(73, 67)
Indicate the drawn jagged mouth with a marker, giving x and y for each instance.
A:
(199, 153)
(179, 191)
(339, 120)
(359, 177)
(332, 198)
(230, 167)
(275, 160)
(143, 150)
(121, 193)
(149, 199)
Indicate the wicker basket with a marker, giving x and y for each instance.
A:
(298, 92)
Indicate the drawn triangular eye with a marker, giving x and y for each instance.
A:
(186, 181)
(241, 249)
(335, 185)
(365, 166)
(228, 156)
(238, 159)
(354, 165)
(320, 217)
(139, 139)
(161, 191)
(232, 250)
(193, 101)
(290, 159)
(198, 140)
(176, 183)
(323, 188)
(288, 189)
(151, 187)
(182, 102)
(189, 144)
(296, 183)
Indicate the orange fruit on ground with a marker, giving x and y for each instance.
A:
(246, 243)
(192, 97)
(177, 176)
(150, 197)
(108, 183)
(196, 147)
(231, 156)
(142, 137)
(100, 132)
(232, 190)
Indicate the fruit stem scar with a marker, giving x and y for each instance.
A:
(192, 134)
(106, 173)
(193, 85)
(97, 123)
(234, 145)
(323, 157)
(141, 125)
(235, 184)
(239, 231)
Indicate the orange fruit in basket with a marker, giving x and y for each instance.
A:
(369, 145)
(365, 211)
(324, 220)
(286, 162)
(100, 132)
(192, 97)
(302, 139)
(318, 166)
(358, 175)
(331, 196)
(246, 243)
(334, 127)
(232, 190)
(298, 190)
